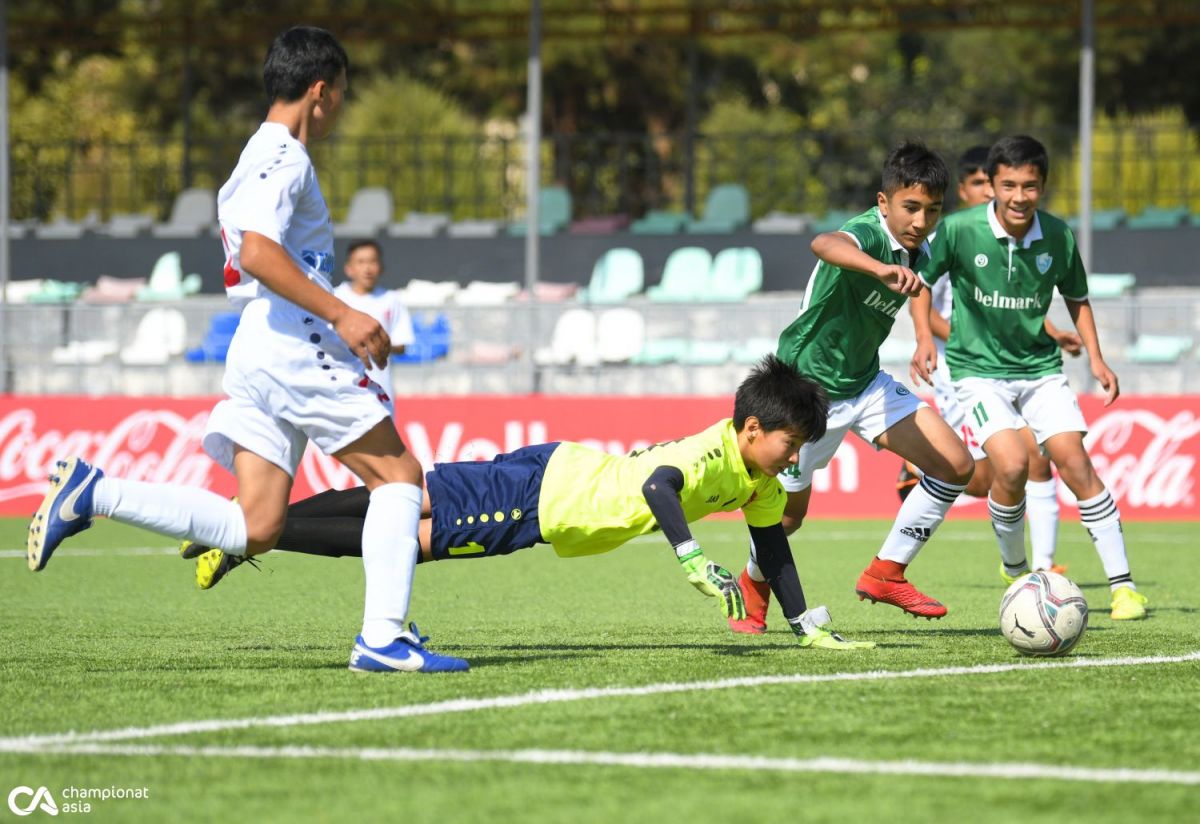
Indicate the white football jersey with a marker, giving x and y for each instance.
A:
(386, 307)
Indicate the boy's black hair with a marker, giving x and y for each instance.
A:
(359, 244)
(1016, 151)
(913, 164)
(781, 398)
(299, 57)
(974, 159)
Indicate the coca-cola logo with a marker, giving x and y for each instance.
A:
(155, 445)
(1155, 475)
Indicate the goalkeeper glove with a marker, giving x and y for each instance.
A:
(711, 579)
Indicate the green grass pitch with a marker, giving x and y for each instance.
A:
(110, 638)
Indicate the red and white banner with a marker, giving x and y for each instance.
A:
(1145, 448)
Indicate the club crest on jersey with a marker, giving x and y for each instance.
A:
(981, 260)
(1043, 262)
(320, 261)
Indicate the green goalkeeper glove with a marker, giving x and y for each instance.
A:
(713, 580)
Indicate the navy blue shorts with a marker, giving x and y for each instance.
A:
(487, 508)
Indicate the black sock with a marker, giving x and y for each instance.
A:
(334, 502)
(774, 558)
(330, 536)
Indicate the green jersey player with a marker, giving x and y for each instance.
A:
(865, 273)
(1005, 259)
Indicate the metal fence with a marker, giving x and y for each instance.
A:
(469, 176)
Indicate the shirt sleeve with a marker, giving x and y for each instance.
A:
(765, 507)
(400, 329)
(266, 200)
(869, 238)
(1073, 285)
(931, 269)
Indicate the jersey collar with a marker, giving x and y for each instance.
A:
(1034, 233)
(897, 246)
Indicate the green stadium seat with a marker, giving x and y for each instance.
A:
(662, 350)
(554, 212)
(167, 281)
(686, 276)
(1158, 217)
(1110, 286)
(832, 220)
(1196, 220)
(736, 273)
(726, 210)
(1103, 220)
(658, 222)
(617, 275)
(56, 291)
(1159, 348)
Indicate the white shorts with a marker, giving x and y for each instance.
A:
(1046, 405)
(290, 382)
(952, 411)
(877, 409)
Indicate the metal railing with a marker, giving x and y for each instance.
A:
(483, 177)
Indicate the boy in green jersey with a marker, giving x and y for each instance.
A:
(865, 273)
(582, 501)
(975, 188)
(1004, 260)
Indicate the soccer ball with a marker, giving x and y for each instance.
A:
(1043, 613)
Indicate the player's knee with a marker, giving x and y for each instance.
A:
(792, 522)
(1010, 474)
(263, 531)
(962, 467)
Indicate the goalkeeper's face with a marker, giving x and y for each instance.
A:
(769, 452)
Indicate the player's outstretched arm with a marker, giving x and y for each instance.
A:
(1085, 323)
(839, 249)
(270, 264)
(661, 491)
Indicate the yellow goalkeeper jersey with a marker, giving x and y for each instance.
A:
(591, 501)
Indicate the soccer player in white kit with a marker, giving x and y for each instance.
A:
(975, 188)
(296, 371)
(361, 290)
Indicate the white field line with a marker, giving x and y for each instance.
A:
(557, 696)
(659, 760)
(982, 536)
(93, 553)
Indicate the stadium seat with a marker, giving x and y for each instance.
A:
(600, 225)
(370, 210)
(62, 228)
(126, 226)
(83, 352)
(1159, 348)
(474, 228)
(620, 335)
(686, 276)
(20, 291)
(736, 273)
(554, 212)
(1158, 217)
(167, 281)
(1103, 220)
(726, 210)
(753, 349)
(112, 290)
(215, 344)
(160, 335)
(662, 350)
(659, 222)
(618, 274)
(573, 340)
(56, 291)
(420, 224)
(420, 292)
(194, 212)
(832, 220)
(547, 292)
(1102, 286)
(431, 339)
(780, 223)
(706, 353)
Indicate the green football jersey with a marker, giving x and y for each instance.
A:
(1002, 290)
(592, 502)
(846, 315)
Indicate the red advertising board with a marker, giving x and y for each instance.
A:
(1146, 448)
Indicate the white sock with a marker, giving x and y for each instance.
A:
(1041, 507)
(170, 509)
(390, 547)
(752, 569)
(921, 513)
(1102, 520)
(1008, 522)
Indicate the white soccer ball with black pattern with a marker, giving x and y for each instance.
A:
(1043, 613)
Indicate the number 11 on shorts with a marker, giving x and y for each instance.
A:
(980, 414)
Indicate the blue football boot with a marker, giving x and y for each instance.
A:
(66, 510)
(405, 654)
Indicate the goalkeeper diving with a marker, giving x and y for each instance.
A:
(583, 501)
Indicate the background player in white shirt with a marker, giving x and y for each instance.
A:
(974, 188)
(361, 290)
(296, 371)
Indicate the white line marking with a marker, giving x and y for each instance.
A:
(24, 743)
(93, 553)
(659, 760)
